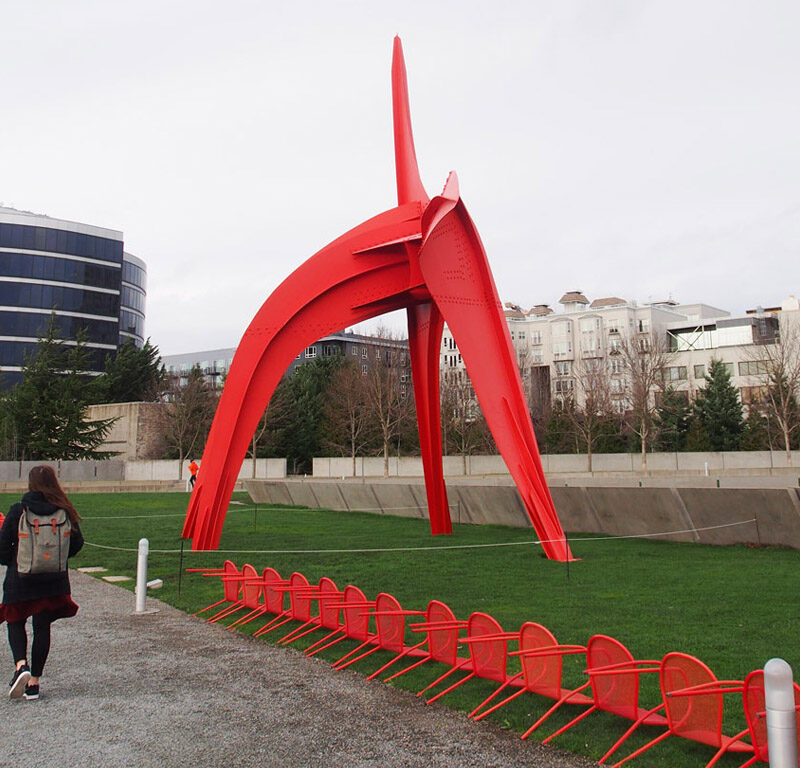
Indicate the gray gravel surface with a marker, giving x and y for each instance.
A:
(169, 690)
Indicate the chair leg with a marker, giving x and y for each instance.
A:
(500, 704)
(409, 668)
(563, 700)
(639, 751)
(572, 722)
(451, 688)
(493, 694)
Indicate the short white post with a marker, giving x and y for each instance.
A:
(141, 575)
(781, 715)
(706, 463)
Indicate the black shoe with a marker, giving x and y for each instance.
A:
(17, 684)
(31, 693)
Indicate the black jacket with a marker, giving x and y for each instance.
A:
(16, 588)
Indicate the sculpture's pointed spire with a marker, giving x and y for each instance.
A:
(409, 183)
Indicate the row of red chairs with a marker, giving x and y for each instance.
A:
(692, 697)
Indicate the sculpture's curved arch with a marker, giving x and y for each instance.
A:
(424, 256)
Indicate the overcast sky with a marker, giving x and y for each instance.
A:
(637, 149)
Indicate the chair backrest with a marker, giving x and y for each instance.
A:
(299, 600)
(489, 657)
(542, 674)
(754, 709)
(273, 597)
(617, 693)
(230, 585)
(389, 622)
(251, 587)
(698, 717)
(442, 642)
(356, 614)
(330, 611)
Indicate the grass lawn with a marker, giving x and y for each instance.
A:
(733, 607)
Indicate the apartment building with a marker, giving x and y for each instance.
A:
(556, 347)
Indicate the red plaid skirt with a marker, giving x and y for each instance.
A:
(60, 607)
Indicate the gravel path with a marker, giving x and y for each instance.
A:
(169, 690)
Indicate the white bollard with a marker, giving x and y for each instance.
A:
(141, 575)
(781, 715)
(706, 463)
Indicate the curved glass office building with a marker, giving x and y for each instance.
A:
(77, 271)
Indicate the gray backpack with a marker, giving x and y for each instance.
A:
(43, 542)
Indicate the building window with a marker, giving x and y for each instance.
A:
(364, 353)
(536, 337)
(753, 368)
(562, 328)
(699, 371)
(354, 349)
(363, 369)
(644, 325)
(617, 366)
(613, 325)
(751, 395)
(564, 386)
(521, 335)
(617, 386)
(562, 349)
(562, 369)
(729, 368)
(675, 373)
(311, 351)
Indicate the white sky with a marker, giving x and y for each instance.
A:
(638, 149)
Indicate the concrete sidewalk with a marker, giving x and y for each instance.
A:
(169, 690)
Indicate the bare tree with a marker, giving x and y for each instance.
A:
(464, 428)
(347, 412)
(390, 403)
(645, 358)
(776, 368)
(186, 417)
(593, 393)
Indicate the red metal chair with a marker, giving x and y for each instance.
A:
(541, 658)
(488, 652)
(355, 607)
(441, 636)
(299, 604)
(614, 680)
(230, 587)
(693, 701)
(755, 712)
(247, 575)
(252, 592)
(390, 631)
(328, 616)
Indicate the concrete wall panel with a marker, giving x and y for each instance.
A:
(638, 511)
(713, 508)
(397, 499)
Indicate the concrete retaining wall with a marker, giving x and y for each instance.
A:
(733, 462)
(129, 471)
(769, 516)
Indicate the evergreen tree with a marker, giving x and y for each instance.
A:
(719, 410)
(46, 413)
(756, 434)
(559, 432)
(134, 374)
(672, 420)
(302, 435)
(696, 436)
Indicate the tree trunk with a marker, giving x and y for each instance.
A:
(354, 463)
(589, 455)
(787, 443)
(386, 458)
(644, 452)
(254, 457)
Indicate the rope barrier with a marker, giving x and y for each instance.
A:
(421, 549)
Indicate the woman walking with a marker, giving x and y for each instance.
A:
(44, 597)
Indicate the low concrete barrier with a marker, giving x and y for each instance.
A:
(767, 516)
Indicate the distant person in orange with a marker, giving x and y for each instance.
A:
(193, 468)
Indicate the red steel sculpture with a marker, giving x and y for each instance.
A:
(425, 256)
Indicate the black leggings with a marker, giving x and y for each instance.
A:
(18, 640)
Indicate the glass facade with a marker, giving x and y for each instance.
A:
(76, 273)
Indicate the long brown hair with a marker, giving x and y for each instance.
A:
(42, 478)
